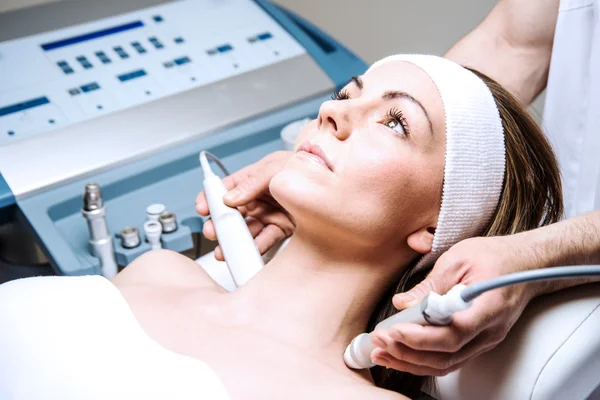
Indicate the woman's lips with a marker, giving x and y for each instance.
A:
(316, 153)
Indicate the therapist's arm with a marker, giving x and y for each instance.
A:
(512, 45)
(435, 350)
(575, 241)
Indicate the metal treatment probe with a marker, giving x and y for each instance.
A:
(101, 244)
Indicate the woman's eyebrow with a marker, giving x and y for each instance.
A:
(358, 81)
(397, 94)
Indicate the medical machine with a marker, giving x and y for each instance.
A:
(122, 96)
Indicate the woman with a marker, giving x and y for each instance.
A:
(410, 158)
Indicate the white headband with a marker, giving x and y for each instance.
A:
(475, 153)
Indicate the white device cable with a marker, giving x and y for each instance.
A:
(237, 244)
(438, 310)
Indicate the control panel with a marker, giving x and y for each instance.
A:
(59, 78)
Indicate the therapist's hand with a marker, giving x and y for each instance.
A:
(249, 192)
(439, 350)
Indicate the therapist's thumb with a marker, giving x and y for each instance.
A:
(249, 187)
(433, 283)
(253, 181)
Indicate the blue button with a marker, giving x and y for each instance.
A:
(90, 87)
(265, 36)
(156, 43)
(119, 50)
(225, 48)
(62, 64)
(140, 49)
(179, 40)
(182, 60)
(84, 62)
(157, 18)
(68, 70)
(103, 57)
(131, 75)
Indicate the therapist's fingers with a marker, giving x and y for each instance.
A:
(208, 229)
(268, 237)
(265, 237)
(253, 181)
(384, 359)
(449, 338)
(254, 226)
(219, 254)
(440, 361)
(270, 214)
(202, 203)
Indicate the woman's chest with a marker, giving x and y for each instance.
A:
(249, 363)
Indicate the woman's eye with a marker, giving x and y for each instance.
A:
(395, 121)
(341, 95)
(395, 125)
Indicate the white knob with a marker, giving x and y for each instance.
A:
(153, 230)
(153, 211)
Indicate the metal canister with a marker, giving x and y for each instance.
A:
(168, 221)
(130, 237)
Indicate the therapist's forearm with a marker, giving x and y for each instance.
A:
(575, 241)
(513, 46)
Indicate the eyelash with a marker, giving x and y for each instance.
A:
(341, 95)
(392, 114)
(398, 116)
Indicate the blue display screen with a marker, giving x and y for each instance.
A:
(90, 36)
(13, 108)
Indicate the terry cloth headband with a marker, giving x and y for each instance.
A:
(475, 152)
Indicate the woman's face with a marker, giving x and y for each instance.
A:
(370, 168)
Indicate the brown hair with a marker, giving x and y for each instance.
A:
(531, 197)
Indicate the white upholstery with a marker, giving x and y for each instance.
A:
(552, 352)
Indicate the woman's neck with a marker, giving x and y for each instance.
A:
(318, 297)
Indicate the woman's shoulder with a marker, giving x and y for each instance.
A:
(165, 268)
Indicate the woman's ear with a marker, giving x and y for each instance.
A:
(421, 240)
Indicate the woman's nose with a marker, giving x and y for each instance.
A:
(334, 119)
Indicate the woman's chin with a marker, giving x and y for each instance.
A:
(296, 190)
